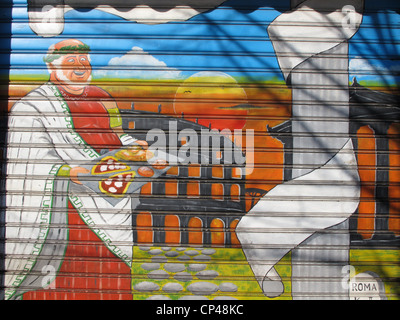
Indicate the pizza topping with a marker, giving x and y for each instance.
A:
(112, 190)
(117, 185)
(109, 165)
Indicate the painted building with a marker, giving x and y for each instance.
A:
(215, 150)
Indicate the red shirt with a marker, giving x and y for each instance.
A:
(91, 119)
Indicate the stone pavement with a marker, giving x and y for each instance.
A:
(183, 273)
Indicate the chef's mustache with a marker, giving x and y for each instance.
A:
(64, 78)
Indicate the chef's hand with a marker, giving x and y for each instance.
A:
(141, 143)
(73, 174)
(130, 142)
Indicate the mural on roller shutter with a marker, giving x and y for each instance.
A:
(171, 154)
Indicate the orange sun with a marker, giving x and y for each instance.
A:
(214, 98)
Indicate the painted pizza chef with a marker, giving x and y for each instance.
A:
(266, 231)
(52, 130)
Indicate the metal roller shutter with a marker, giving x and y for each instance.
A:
(181, 150)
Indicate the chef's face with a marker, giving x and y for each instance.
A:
(73, 69)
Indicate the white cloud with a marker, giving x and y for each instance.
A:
(364, 66)
(378, 70)
(137, 64)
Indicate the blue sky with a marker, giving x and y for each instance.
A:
(177, 50)
(375, 49)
